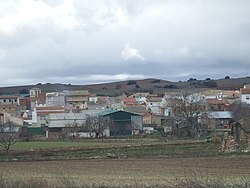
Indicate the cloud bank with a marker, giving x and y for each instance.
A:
(100, 41)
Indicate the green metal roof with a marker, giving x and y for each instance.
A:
(107, 112)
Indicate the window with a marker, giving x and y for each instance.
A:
(247, 97)
(42, 117)
(4, 100)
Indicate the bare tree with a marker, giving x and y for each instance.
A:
(240, 110)
(97, 125)
(187, 110)
(73, 128)
(9, 135)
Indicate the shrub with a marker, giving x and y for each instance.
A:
(131, 82)
(210, 84)
(156, 81)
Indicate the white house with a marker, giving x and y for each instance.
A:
(34, 92)
(245, 95)
(55, 99)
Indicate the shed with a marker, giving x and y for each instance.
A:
(124, 123)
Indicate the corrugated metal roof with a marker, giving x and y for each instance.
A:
(67, 116)
(107, 112)
(65, 123)
(136, 109)
(220, 115)
(76, 93)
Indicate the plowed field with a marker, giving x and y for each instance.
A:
(137, 171)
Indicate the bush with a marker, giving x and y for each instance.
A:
(156, 81)
(210, 84)
(170, 86)
(23, 91)
(131, 82)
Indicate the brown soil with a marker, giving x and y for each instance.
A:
(149, 170)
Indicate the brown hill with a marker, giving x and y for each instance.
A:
(147, 85)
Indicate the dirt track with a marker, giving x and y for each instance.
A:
(140, 170)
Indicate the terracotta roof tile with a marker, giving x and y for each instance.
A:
(50, 108)
(215, 101)
(244, 91)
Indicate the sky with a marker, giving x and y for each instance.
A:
(96, 41)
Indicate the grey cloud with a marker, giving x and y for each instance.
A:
(175, 39)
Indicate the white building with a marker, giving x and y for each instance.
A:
(245, 95)
(55, 99)
(34, 92)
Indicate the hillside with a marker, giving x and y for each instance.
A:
(130, 86)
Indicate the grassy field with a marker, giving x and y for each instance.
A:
(85, 143)
(107, 148)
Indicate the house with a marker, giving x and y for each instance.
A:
(78, 99)
(93, 98)
(34, 92)
(140, 98)
(24, 103)
(98, 103)
(40, 115)
(116, 102)
(10, 104)
(217, 104)
(220, 119)
(55, 99)
(6, 117)
(129, 101)
(39, 99)
(124, 123)
(153, 104)
(245, 95)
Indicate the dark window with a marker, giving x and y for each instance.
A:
(42, 117)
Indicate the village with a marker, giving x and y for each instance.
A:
(81, 114)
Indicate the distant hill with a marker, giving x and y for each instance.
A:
(151, 85)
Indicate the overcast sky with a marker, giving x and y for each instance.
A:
(93, 41)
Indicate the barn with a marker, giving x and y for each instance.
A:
(123, 123)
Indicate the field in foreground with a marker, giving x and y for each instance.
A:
(133, 172)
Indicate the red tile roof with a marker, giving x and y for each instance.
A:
(50, 108)
(215, 101)
(9, 97)
(129, 100)
(244, 91)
